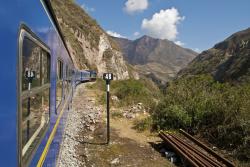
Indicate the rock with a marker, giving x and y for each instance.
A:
(115, 161)
(133, 107)
(169, 154)
(91, 116)
(91, 138)
(92, 128)
(114, 98)
(130, 116)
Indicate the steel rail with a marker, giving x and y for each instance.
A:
(200, 153)
(217, 156)
(179, 151)
(188, 152)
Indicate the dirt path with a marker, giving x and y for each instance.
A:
(85, 138)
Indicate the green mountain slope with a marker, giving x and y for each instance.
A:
(226, 61)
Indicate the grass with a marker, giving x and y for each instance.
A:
(129, 92)
(143, 124)
(116, 114)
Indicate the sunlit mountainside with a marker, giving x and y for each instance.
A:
(228, 60)
(158, 59)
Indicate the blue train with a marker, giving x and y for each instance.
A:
(38, 78)
(85, 76)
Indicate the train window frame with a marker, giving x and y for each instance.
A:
(65, 82)
(59, 78)
(25, 32)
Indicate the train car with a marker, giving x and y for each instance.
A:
(37, 83)
(93, 75)
(85, 76)
(82, 76)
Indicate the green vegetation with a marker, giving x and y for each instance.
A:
(99, 84)
(143, 124)
(116, 114)
(130, 92)
(217, 111)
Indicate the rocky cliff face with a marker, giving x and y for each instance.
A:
(226, 61)
(155, 58)
(89, 46)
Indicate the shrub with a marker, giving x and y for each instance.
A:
(218, 111)
(132, 91)
(143, 124)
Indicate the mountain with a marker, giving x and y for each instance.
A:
(226, 61)
(89, 45)
(156, 58)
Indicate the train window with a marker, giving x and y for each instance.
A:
(45, 67)
(30, 56)
(72, 75)
(35, 118)
(34, 80)
(59, 83)
(66, 82)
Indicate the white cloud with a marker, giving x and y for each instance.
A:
(197, 50)
(132, 6)
(163, 25)
(136, 34)
(87, 9)
(179, 43)
(115, 34)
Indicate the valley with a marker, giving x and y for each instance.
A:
(206, 94)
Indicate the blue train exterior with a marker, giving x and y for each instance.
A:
(92, 74)
(83, 76)
(38, 79)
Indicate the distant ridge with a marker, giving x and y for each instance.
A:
(226, 61)
(160, 59)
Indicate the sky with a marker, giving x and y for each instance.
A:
(194, 24)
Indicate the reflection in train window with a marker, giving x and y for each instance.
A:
(45, 67)
(31, 58)
(35, 94)
(59, 84)
(65, 82)
(35, 117)
(72, 74)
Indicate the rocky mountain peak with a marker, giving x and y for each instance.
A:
(89, 45)
(156, 58)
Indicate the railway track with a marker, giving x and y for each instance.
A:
(193, 152)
